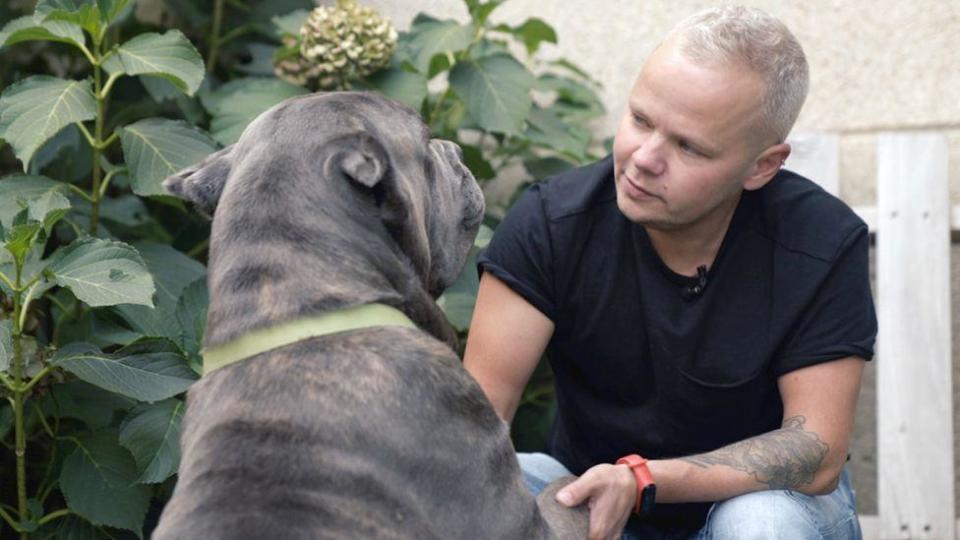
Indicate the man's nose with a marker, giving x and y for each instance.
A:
(649, 156)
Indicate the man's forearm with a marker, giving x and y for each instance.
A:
(787, 458)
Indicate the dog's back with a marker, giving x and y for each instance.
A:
(375, 433)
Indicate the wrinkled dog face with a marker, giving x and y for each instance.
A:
(451, 241)
(307, 149)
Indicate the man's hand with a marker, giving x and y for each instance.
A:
(610, 492)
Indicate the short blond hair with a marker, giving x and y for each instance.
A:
(762, 43)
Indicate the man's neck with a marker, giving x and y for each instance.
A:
(684, 249)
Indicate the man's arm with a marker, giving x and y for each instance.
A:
(805, 454)
(507, 337)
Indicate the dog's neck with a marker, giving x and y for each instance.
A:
(266, 273)
(333, 322)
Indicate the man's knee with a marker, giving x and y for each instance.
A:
(539, 470)
(762, 515)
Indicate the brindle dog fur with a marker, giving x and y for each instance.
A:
(329, 201)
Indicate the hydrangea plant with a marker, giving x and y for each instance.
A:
(336, 46)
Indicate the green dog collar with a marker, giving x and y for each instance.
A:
(258, 341)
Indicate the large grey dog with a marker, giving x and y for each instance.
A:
(330, 201)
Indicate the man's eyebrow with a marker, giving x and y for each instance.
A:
(695, 142)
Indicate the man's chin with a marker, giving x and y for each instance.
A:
(639, 212)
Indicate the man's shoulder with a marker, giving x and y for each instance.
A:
(802, 217)
(578, 190)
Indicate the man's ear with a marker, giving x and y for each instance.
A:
(203, 182)
(766, 166)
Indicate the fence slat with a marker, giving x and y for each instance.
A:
(816, 156)
(914, 404)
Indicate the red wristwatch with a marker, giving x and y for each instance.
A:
(646, 488)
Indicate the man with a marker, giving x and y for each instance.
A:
(700, 307)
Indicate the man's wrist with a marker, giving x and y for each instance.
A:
(646, 488)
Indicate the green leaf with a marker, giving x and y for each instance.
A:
(35, 109)
(84, 402)
(261, 16)
(573, 68)
(489, 47)
(431, 37)
(567, 89)
(70, 527)
(83, 13)
(102, 272)
(99, 327)
(6, 344)
(18, 190)
(541, 168)
(480, 11)
(172, 272)
(290, 23)
(110, 10)
(458, 301)
(30, 28)
(496, 90)
(159, 89)
(545, 129)
(237, 103)
(170, 56)
(192, 317)
(32, 265)
(67, 157)
(151, 432)
(155, 148)
(147, 370)
(473, 159)
(533, 32)
(403, 86)
(49, 208)
(20, 239)
(98, 481)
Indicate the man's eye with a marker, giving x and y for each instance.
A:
(640, 121)
(686, 148)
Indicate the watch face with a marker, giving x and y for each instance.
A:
(648, 499)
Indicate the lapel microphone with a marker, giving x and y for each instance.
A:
(691, 292)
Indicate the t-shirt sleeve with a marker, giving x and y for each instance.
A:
(841, 320)
(520, 253)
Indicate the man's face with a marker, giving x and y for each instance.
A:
(686, 142)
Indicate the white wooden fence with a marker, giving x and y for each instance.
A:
(912, 221)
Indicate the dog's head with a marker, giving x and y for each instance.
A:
(354, 159)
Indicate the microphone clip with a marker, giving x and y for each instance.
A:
(691, 292)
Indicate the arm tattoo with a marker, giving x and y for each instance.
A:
(783, 459)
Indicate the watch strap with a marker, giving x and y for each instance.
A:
(646, 487)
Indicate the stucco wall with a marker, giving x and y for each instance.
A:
(875, 64)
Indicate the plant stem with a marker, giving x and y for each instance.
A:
(53, 515)
(199, 248)
(97, 142)
(215, 36)
(39, 377)
(9, 519)
(20, 439)
(234, 34)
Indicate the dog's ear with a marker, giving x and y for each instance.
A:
(203, 182)
(363, 159)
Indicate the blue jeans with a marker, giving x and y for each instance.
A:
(774, 514)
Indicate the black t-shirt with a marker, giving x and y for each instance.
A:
(641, 364)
